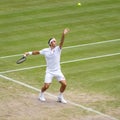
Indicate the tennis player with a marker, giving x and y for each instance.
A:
(53, 69)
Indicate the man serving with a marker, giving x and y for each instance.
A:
(53, 69)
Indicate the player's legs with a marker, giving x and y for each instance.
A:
(63, 85)
(60, 77)
(62, 89)
(48, 80)
(45, 87)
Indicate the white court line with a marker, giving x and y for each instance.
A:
(11, 56)
(70, 61)
(72, 103)
(95, 43)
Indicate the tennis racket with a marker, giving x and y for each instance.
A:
(21, 60)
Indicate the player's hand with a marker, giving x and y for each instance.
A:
(66, 30)
(26, 54)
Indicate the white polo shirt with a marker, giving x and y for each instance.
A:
(52, 58)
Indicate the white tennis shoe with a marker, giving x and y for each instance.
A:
(62, 100)
(41, 97)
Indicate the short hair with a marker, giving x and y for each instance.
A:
(49, 41)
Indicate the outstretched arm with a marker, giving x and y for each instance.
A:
(66, 30)
(32, 53)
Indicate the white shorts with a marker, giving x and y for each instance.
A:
(57, 74)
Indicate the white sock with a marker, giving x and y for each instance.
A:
(60, 94)
(41, 94)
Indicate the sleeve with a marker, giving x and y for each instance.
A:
(59, 49)
(42, 52)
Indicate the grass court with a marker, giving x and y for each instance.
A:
(90, 58)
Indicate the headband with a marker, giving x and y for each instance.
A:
(51, 40)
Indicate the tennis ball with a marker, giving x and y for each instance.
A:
(79, 4)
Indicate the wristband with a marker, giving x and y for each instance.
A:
(30, 53)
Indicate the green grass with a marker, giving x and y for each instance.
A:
(27, 25)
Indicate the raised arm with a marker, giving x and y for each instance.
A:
(66, 30)
(32, 53)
